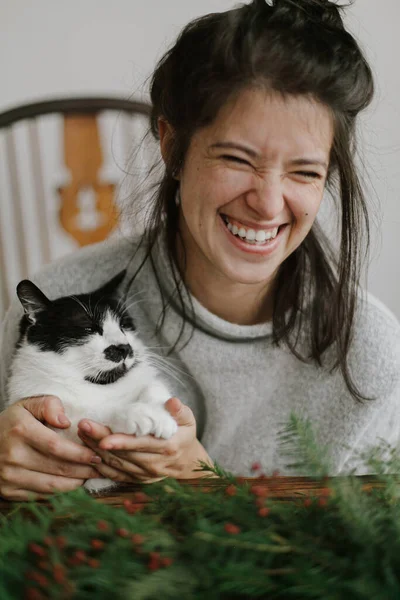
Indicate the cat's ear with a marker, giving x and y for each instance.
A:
(32, 299)
(111, 287)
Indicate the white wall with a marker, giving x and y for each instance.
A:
(54, 48)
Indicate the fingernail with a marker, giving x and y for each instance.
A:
(85, 427)
(96, 459)
(62, 419)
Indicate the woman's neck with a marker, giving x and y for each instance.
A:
(233, 304)
(242, 304)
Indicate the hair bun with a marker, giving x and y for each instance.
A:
(302, 13)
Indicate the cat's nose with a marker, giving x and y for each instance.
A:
(118, 353)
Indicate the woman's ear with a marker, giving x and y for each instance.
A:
(166, 133)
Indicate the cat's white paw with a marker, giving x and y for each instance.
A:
(144, 419)
(97, 485)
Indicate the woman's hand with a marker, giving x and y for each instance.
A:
(34, 460)
(146, 459)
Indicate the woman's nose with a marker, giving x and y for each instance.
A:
(268, 199)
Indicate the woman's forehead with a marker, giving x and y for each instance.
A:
(259, 119)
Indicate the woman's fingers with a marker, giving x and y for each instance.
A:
(95, 430)
(47, 409)
(136, 474)
(120, 468)
(107, 440)
(49, 443)
(145, 443)
(21, 479)
(33, 460)
(121, 476)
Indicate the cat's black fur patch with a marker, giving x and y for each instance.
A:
(68, 321)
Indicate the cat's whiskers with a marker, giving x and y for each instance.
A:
(127, 307)
(85, 308)
(166, 366)
(123, 307)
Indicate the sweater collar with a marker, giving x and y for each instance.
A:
(203, 318)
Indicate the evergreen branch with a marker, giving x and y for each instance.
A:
(217, 471)
(297, 441)
(236, 542)
(231, 543)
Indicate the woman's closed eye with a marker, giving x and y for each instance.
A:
(236, 159)
(309, 174)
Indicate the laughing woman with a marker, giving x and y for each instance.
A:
(255, 110)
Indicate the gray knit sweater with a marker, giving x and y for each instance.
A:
(240, 386)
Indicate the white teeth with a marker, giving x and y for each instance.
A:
(251, 235)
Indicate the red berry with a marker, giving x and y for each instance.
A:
(256, 466)
(33, 594)
(154, 555)
(141, 497)
(36, 549)
(131, 509)
(326, 492)
(48, 541)
(59, 573)
(97, 544)
(231, 528)
(322, 502)
(263, 512)
(61, 542)
(259, 490)
(166, 561)
(38, 577)
(137, 538)
(80, 557)
(124, 533)
(307, 502)
(103, 525)
(231, 490)
(94, 563)
(154, 564)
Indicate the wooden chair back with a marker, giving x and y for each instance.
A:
(59, 179)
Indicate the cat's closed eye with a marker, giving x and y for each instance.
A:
(93, 329)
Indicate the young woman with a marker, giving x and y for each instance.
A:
(255, 110)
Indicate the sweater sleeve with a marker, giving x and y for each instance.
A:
(80, 272)
(375, 365)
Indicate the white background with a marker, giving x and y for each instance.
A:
(105, 47)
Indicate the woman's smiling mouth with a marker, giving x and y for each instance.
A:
(251, 239)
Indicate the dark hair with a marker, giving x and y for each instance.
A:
(294, 47)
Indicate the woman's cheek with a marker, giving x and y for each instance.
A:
(304, 202)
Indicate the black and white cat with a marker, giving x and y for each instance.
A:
(84, 349)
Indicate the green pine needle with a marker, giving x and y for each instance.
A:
(204, 543)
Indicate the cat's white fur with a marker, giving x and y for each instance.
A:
(134, 404)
